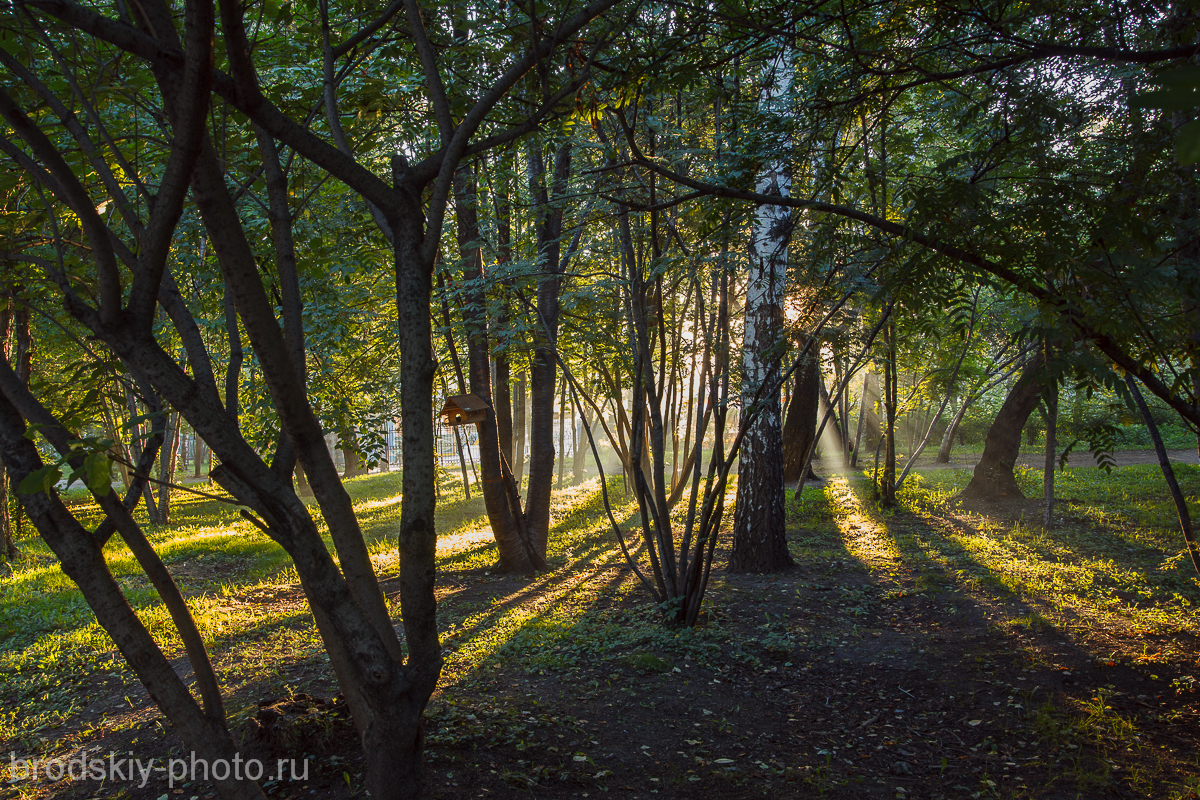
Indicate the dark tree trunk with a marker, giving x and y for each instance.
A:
(502, 401)
(517, 553)
(519, 428)
(800, 426)
(8, 547)
(503, 379)
(1051, 446)
(82, 560)
(543, 368)
(562, 434)
(199, 451)
(233, 373)
(302, 487)
(166, 471)
(890, 390)
(994, 476)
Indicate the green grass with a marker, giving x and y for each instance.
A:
(1117, 555)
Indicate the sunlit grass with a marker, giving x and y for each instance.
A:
(1116, 558)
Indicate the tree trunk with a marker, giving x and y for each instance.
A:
(517, 552)
(543, 368)
(943, 456)
(8, 547)
(562, 434)
(502, 374)
(868, 420)
(1051, 446)
(197, 454)
(759, 543)
(302, 487)
(890, 390)
(826, 402)
(233, 373)
(578, 464)
(519, 431)
(166, 471)
(994, 476)
(351, 459)
(503, 404)
(800, 425)
(1164, 463)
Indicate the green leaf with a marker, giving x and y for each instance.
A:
(1187, 143)
(99, 476)
(40, 480)
(1175, 99)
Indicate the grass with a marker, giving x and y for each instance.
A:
(1116, 556)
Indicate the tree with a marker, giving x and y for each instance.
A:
(386, 684)
(759, 524)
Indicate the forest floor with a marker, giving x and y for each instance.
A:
(943, 649)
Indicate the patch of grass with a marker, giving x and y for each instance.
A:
(1118, 555)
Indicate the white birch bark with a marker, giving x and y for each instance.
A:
(759, 524)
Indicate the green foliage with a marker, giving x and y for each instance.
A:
(95, 471)
(1179, 91)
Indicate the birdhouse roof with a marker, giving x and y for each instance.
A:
(465, 402)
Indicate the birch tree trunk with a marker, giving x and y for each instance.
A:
(758, 526)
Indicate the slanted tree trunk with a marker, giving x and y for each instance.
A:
(800, 425)
(826, 402)
(136, 449)
(994, 476)
(943, 455)
(233, 372)
(1164, 463)
(303, 489)
(759, 543)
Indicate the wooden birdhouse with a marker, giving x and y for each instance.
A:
(463, 409)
